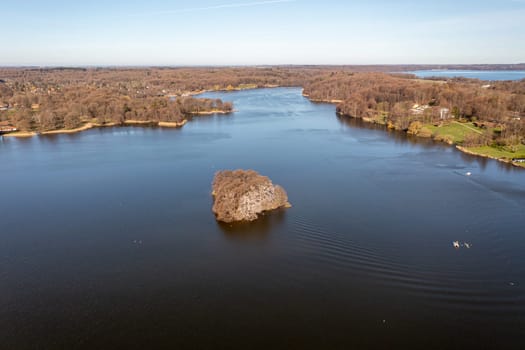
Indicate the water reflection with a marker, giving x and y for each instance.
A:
(470, 159)
(401, 138)
(257, 230)
(351, 122)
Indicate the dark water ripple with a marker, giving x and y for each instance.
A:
(442, 288)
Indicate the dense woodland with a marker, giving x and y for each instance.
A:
(34, 99)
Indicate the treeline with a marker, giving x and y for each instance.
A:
(400, 100)
(44, 103)
(62, 98)
(141, 82)
(72, 110)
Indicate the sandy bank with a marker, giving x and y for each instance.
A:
(321, 100)
(215, 111)
(172, 124)
(324, 101)
(88, 126)
(139, 122)
(20, 134)
(68, 131)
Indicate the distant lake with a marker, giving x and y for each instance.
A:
(107, 238)
(472, 74)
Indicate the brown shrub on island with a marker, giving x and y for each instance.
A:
(241, 195)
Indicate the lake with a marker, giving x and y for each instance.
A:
(472, 74)
(108, 239)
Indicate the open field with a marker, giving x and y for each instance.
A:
(455, 131)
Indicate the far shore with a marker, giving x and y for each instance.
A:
(475, 152)
(238, 88)
(215, 111)
(324, 100)
(321, 100)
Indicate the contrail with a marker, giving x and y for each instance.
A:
(223, 6)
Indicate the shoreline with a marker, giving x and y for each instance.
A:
(500, 159)
(68, 131)
(215, 111)
(460, 148)
(88, 126)
(172, 124)
(131, 122)
(321, 100)
(324, 100)
(20, 134)
(233, 89)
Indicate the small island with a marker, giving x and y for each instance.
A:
(241, 195)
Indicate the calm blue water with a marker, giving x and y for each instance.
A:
(108, 239)
(472, 74)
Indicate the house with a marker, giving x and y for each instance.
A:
(35, 106)
(417, 109)
(444, 113)
(4, 106)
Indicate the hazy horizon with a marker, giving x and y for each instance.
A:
(445, 65)
(271, 32)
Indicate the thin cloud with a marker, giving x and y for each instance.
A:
(216, 7)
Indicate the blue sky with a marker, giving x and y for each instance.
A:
(246, 32)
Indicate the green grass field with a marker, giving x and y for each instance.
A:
(455, 130)
(500, 152)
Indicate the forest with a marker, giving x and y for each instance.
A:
(43, 99)
(403, 102)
